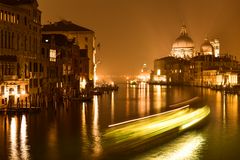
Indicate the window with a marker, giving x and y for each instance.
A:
(9, 17)
(64, 69)
(35, 83)
(1, 38)
(18, 42)
(40, 67)
(5, 39)
(12, 40)
(31, 83)
(5, 16)
(9, 40)
(30, 66)
(18, 89)
(9, 69)
(1, 15)
(52, 55)
(26, 88)
(18, 18)
(2, 89)
(35, 67)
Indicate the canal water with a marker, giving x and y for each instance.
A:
(76, 131)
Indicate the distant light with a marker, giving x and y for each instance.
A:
(46, 40)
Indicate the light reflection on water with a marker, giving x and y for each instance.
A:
(186, 147)
(97, 148)
(24, 148)
(81, 126)
(13, 139)
(19, 149)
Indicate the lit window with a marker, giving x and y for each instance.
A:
(158, 72)
(52, 55)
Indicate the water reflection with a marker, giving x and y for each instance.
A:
(188, 146)
(13, 139)
(112, 107)
(84, 126)
(52, 141)
(24, 148)
(80, 126)
(18, 150)
(97, 148)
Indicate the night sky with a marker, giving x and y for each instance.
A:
(133, 32)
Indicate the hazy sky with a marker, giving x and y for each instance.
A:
(134, 32)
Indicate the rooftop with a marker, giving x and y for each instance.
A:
(64, 26)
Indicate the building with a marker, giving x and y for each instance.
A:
(216, 45)
(215, 77)
(208, 67)
(67, 65)
(20, 36)
(171, 70)
(183, 47)
(203, 66)
(207, 48)
(83, 37)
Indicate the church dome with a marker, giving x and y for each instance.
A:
(183, 41)
(207, 47)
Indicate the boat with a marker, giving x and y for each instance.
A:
(130, 135)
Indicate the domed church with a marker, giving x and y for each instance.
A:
(183, 47)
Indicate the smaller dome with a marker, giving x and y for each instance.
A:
(206, 47)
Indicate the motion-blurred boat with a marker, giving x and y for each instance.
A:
(127, 136)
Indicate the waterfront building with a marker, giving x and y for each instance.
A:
(171, 70)
(215, 77)
(83, 37)
(183, 47)
(20, 65)
(202, 66)
(67, 65)
(208, 67)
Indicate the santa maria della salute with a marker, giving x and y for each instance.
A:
(184, 47)
(187, 65)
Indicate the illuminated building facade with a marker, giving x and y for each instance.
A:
(20, 35)
(83, 37)
(171, 70)
(214, 77)
(216, 45)
(183, 47)
(67, 65)
(207, 69)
